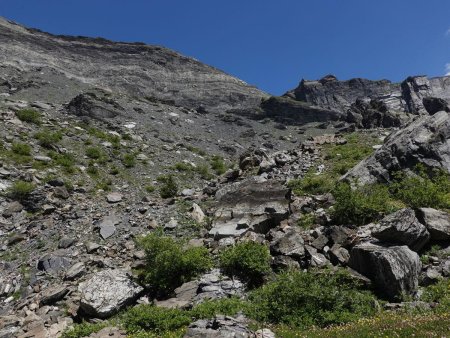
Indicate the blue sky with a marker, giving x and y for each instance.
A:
(267, 43)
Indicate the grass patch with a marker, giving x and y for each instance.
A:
(129, 160)
(20, 190)
(21, 149)
(29, 116)
(47, 139)
(218, 165)
(169, 188)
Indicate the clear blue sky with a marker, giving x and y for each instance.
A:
(267, 43)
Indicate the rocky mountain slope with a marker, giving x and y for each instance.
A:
(145, 194)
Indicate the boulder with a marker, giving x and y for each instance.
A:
(53, 263)
(394, 270)
(425, 141)
(402, 227)
(219, 327)
(291, 244)
(106, 292)
(437, 223)
(253, 204)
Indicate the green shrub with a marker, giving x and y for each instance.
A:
(92, 170)
(150, 188)
(304, 299)
(129, 160)
(421, 190)
(22, 149)
(204, 172)
(169, 264)
(218, 165)
(154, 319)
(93, 153)
(169, 188)
(249, 261)
(224, 306)
(29, 115)
(181, 166)
(65, 160)
(438, 293)
(83, 329)
(20, 190)
(312, 184)
(361, 205)
(47, 139)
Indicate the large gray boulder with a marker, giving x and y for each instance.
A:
(107, 292)
(437, 223)
(425, 141)
(254, 204)
(394, 270)
(221, 326)
(402, 227)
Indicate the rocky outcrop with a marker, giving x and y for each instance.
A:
(393, 269)
(107, 292)
(253, 204)
(425, 141)
(437, 223)
(365, 103)
(402, 227)
(221, 326)
(64, 66)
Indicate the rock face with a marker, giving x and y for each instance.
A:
(363, 102)
(251, 204)
(402, 227)
(437, 223)
(138, 69)
(393, 269)
(221, 326)
(425, 141)
(107, 292)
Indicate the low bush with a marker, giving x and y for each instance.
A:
(129, 160)
(83, 329)
(422, 190)
(224, 306)
(29, 115)
(93, 153)
(169, 188)
(181, 166)
(20, 190)
(149, 318)
(47, 139)
(169, 264)
(250, 261)
(218, 165)
(22, 149)
(312, 184)
(438, 293)
(361, 205)
(303, 299)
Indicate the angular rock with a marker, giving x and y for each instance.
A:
(106, 292)
(53, 263)
(75, 271)
(197, 213)
(53, 294)
(114, 197)
(425, 141)
(221, 326)
(437, 223)
(291, 244)
(393, 269)
(402, 227)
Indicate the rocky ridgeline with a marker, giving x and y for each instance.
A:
(362, 102)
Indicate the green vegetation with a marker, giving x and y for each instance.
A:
(129, 160)
(303, 299)
(144, 318)
(170, 264)
(362, 205)
(150, 188)
(29, 116)
(312, 184)
(422, 190)
(65, 160)
(84, 329)
(94, 153)
(218, 165)
(22, 149)
(20, 190)
(47, 139)
(181, 166)
(250, 261)
(169, 188)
